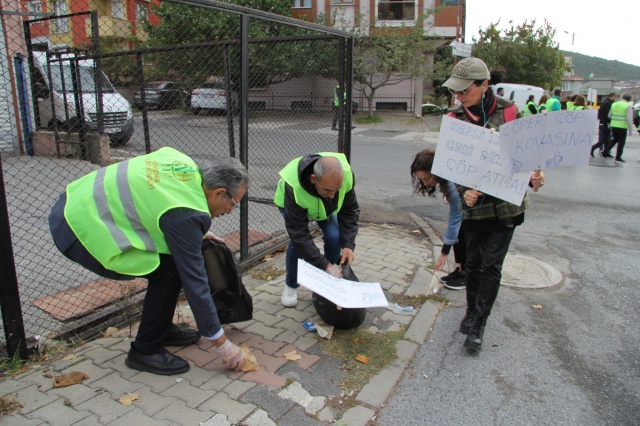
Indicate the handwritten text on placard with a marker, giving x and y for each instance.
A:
(554, 139)
(470, 155)
(345, 293)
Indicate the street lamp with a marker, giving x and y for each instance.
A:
(573, 37)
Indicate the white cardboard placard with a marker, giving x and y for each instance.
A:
(345, 293)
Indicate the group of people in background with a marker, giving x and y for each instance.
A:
(616, 121)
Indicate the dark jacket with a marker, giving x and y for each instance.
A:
(297, 221)
(491, 214)
(603, 111)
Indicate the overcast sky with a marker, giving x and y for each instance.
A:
(609, 30)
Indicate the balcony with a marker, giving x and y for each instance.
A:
(109, 26)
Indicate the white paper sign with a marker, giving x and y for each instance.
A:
(345, 293)
(554, 139)
(470, 155)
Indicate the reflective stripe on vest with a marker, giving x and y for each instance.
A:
(115, 211)
(619, 114)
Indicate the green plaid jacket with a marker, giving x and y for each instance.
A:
(491, 208)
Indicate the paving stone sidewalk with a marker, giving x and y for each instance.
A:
(281, 392)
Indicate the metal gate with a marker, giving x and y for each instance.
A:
(207, 78)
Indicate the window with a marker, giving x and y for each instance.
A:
(34, 7)
(306, 4)
(60, 25)
(142, 12)
(341, 1)
(450, 2)
(397, 10)
(117, 9)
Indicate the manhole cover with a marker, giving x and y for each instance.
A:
(527, 272)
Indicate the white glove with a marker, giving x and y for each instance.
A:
(334, 270)
(232, 355)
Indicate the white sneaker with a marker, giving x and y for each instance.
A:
(289, 296)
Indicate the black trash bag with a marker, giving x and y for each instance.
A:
(232, 300)
(346, 318)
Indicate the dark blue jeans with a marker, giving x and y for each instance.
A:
(483, 271)
(332, 248)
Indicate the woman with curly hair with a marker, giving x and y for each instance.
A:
(425, 183)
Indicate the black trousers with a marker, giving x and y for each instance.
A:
(159, 306)
(337, 112)
(618, 136)
(483, 271)
(604, 137)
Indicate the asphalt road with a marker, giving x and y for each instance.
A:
(576, 361)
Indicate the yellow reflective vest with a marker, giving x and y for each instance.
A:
(115, 211)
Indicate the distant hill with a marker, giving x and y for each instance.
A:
(584, 65)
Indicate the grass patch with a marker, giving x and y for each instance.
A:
(367, 120)
(416, 301)
(8, 404)
(438, 298)
(268, 273)
(380, 348)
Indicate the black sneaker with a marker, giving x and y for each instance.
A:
(606, 155)
(601, 154)
(457, 273)
(456, 284)
(619, 160)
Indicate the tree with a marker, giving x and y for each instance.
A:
(386, 56)
(270, 61)
(527, 53)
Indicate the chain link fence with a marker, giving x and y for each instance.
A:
(92, 88)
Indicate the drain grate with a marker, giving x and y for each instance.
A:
(528, 272)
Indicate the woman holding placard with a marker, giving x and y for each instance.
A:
(488, 222)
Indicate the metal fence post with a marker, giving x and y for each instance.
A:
(9, 293)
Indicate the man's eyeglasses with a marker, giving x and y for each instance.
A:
(460, 92)
(234, 203)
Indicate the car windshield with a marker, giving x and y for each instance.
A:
(88, 84)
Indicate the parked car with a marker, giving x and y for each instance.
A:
(117, 112)
(161, 95)
(431, 109)
(212, 96)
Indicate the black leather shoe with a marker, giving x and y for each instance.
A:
(163, 363)
(474, 339)
(465, 325)
(180, 336)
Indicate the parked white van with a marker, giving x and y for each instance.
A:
(519, 93)
(118, 115)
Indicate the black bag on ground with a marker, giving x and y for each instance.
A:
(233, 301)
(346, 318)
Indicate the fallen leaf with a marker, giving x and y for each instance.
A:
(128, 398)
(363, 359)
(70, 356)
(72, 378)
(250, 361)
(269, 277)
(538, 307)
(292, 356)
(356, 340)
(412, 372)
(109, 332)
(417, 231)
